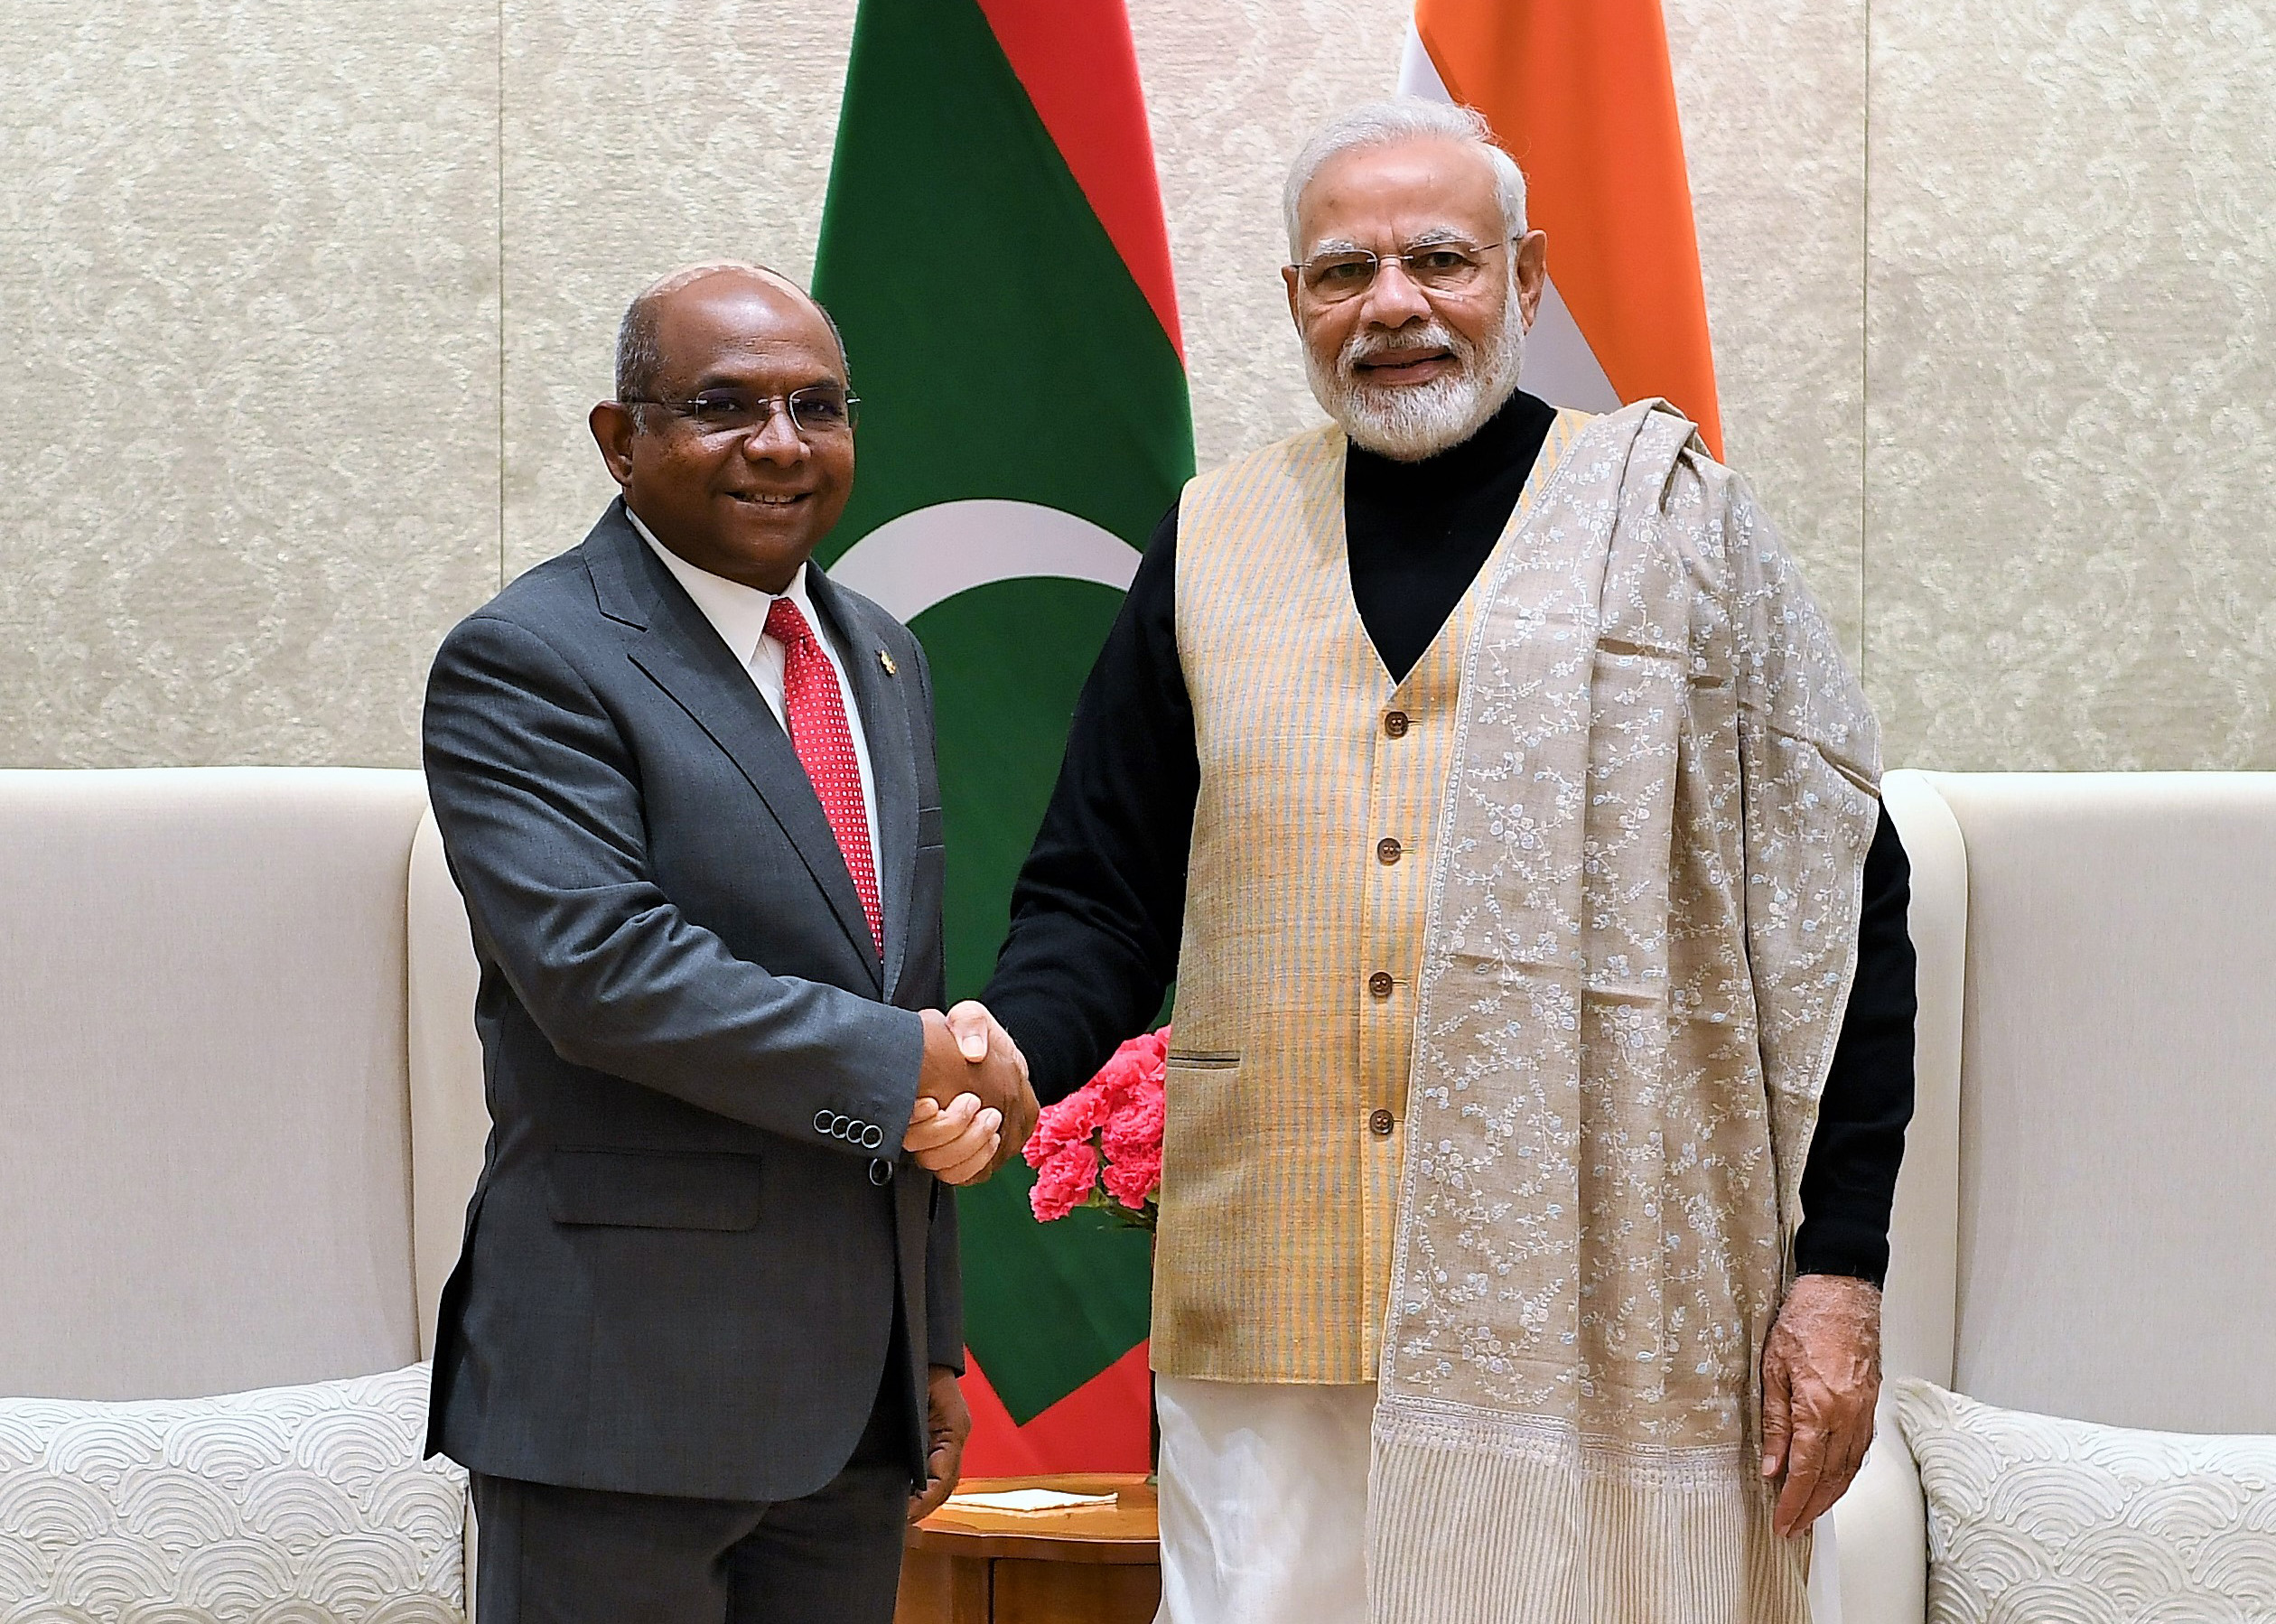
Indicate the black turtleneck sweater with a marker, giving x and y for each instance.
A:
(1097, 911)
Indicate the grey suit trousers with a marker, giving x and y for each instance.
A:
(554, 1555)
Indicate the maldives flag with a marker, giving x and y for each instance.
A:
(1579, 92)
(992, 249)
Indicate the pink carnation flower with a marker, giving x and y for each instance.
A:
(1136, 1129)
(1062, 1182)
(1134, 1181)
(1131, 1138)
(1072, 1121)
(1118, 1076)
(1115, 1119)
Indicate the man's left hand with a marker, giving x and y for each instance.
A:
(956, 1144)
(1821, 1377)
(947, 1425)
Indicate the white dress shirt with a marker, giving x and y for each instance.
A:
(739, 614)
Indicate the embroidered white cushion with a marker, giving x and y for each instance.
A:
(2036, 1520)
(286, 1506)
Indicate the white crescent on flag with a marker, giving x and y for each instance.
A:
(911, 563)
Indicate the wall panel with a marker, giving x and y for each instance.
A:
(247, 280)
(2072, 459)
(1773, 102)
(305, 308)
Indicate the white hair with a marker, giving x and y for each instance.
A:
(1390, 123)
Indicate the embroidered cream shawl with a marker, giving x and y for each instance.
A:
(1642, 929)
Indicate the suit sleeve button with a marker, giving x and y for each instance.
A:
(1379, 1123)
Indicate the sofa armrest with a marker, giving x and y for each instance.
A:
(450, 1120)
(1881, 1538)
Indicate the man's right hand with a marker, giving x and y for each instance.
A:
(982, 1039)
(973, 1109)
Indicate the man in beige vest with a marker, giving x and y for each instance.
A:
(1496, 796)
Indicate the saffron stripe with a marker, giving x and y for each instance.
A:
(1581, 92)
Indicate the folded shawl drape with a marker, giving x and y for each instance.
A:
(1642, 929)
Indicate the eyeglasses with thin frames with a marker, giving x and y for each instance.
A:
(817, 410)
(1438, 267)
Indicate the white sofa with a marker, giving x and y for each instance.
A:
(2081, 1222)
(240, 1095)
(241, 1105)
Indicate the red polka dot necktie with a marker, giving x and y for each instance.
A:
(816, 710)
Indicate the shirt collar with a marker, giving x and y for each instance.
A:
(736, 612)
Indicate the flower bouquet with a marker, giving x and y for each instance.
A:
(1101, 1146)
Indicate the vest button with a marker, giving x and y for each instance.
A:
(1379, 1123)
(1395, 722)
(1387, 851)
(1379, 984)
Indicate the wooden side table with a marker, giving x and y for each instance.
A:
(1093, 1564)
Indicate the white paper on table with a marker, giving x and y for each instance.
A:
(1026, 1500)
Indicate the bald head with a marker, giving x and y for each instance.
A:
(640, 351)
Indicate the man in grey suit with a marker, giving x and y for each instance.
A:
(701, 1347)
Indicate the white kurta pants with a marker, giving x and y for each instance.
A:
(1264, 1502)
(1264, 1506)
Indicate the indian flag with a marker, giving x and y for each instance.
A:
(1582, 95)
(993, 249)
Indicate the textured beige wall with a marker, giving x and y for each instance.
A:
(248, 297)
(1772, 94)
(2071, 473)
(305, 307)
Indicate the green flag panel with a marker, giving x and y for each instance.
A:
(1001, 350)
(997, 341)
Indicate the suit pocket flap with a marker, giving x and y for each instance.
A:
(653, 1190)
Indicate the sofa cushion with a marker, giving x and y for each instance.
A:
(2032, 1518)
(286, 1506)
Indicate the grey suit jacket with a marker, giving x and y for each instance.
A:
(682, 1261)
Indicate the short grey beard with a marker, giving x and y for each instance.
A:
(1410, 422)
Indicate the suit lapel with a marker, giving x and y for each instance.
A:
(882, 699)
(682, 655)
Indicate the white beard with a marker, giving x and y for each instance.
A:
(1410, 422)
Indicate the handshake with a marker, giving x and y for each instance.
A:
(974, 1108)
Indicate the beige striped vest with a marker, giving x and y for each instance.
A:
(1321, 779)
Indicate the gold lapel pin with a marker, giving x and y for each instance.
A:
(886, 660)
